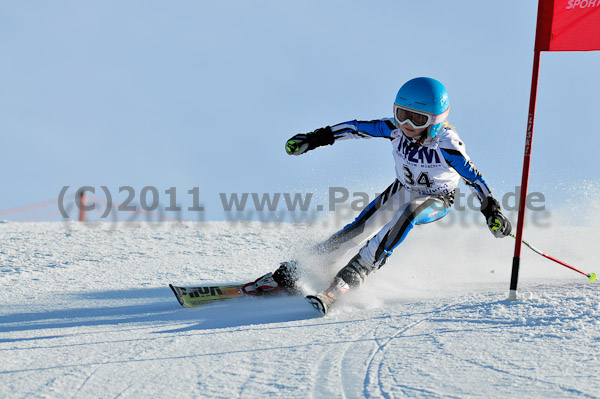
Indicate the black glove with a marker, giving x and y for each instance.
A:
(303, 142)
(496, 221)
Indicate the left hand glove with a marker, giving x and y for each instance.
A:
(498, 224)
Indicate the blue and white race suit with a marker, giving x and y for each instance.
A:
(423, 192)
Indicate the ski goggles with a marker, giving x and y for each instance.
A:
(418, 120)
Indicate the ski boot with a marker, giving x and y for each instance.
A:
(323, 300)
(351, 276)
(283, 279)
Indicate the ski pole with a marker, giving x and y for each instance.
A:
(590, 276)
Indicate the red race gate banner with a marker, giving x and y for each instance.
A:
(562, 25)
(568, 25)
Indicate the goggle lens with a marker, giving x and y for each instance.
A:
(417, 119)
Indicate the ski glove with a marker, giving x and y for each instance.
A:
(303, 142)
(496, 221)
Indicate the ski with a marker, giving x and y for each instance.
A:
(318, 303)
(190, 297)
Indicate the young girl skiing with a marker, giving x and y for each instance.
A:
(430, 160)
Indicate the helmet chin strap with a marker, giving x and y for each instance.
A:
(420, 139)
(427, 133)
(416, 141)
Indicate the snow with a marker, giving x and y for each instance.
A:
(87, 312)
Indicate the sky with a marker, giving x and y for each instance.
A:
(199, 94)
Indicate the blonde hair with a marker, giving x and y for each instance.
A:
(447, 124)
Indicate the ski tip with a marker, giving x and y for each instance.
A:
(317, 304)
(172, 287)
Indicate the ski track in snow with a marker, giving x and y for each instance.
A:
(86, 312)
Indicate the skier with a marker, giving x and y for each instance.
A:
(430, 160)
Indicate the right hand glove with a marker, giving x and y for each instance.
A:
(303, 142)
(297, 145)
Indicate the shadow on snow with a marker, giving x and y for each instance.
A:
(158, 307)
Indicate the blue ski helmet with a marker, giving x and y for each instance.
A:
(424, 96)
